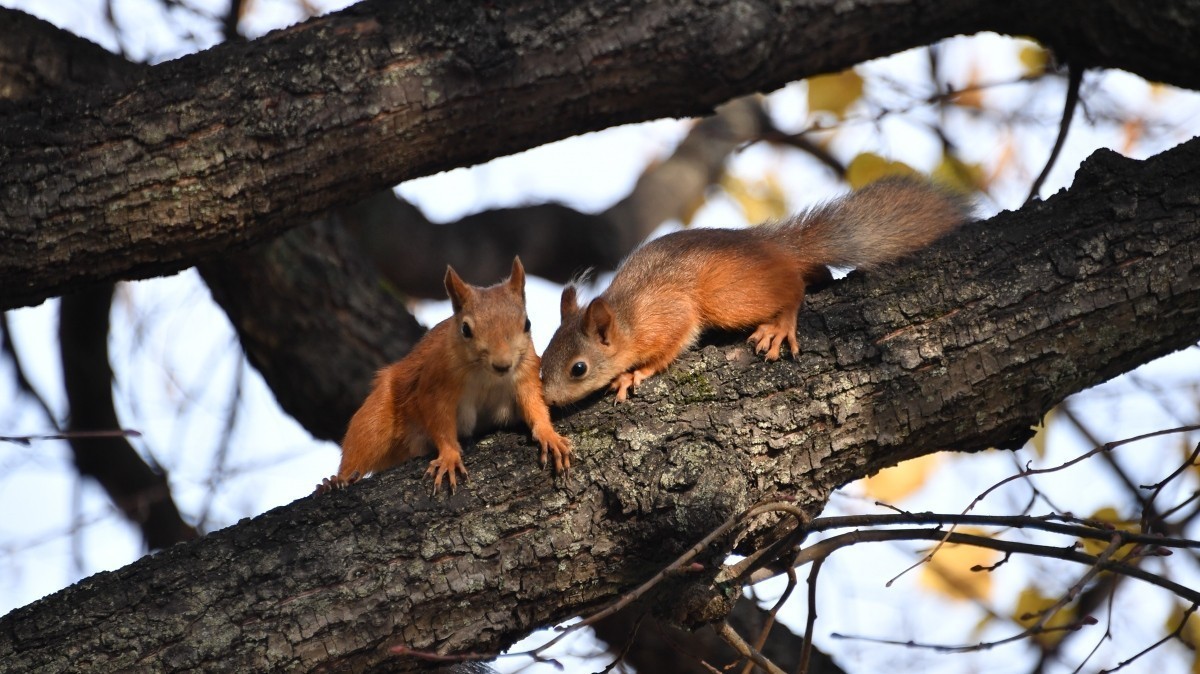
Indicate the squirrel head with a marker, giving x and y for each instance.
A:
(491, 324)
(583, 355)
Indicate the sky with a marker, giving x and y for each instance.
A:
(177, 366)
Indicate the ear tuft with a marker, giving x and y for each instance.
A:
(458, 292)
(516, 280)
(567, 306)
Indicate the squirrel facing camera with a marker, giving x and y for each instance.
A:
(472, 372)
(670, 289)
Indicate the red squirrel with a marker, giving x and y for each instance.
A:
(672, 288)
(473, 371)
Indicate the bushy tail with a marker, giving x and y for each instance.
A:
(879, 223)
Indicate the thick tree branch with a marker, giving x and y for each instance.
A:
(966, 348)
(243, 141)
(314, 319)
(554, 241)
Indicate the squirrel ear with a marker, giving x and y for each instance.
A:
(598, 321)
(458, 291)
(516, 280)
(567, 306)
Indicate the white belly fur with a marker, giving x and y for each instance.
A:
(488, 402)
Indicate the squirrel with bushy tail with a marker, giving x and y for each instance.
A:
(673, 288)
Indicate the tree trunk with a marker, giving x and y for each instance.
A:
(965, 348)
(245, 140)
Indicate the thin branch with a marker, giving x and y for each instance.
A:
(811, 621)
(1027, 471)
(826, 547)
(739, 644)
(628, 644)
(1158, 487)
(23, 384)
(1149, 514)
(221, 455)
(1174, 634)
(770, 620)
(1057, 524)
(1074, 79)
(1073, 592)
(1108, 624)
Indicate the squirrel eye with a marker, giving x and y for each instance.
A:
(578, 369)
(466, 330)
(527, 325)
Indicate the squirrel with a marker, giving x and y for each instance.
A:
(672, 288)
(473, 371)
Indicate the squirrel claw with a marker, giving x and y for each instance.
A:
(560, 447)
(627, 381)
(333, 483)
(446, 466)
(768, 339)
(622, 384)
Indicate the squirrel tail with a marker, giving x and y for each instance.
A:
(876, 224)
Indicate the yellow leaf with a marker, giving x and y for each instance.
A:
(760, 201)
(835, 92)
(1038, 441)
(1031, 604)
(893, 484)
(983, 624)
(950, 573)
(868, 167)
(1186, 448)
(1034, 60)
(1108, 515)
(958, 175)
(1190, 634)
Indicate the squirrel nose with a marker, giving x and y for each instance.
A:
(502, 367)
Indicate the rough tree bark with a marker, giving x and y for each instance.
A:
(965, 348)
(248, 139)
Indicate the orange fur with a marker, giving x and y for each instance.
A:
(456, 381)
(671, 289)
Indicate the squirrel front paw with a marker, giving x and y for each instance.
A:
(446, 465)
(627, 381)
(552, 442)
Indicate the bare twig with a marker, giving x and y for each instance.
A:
(811, 621)
(23, 384)
(770, 621)
(1174, 634)
(1027, 471)
(625, 649)
(739, 644)
(826, 547)
(1074, 79)
(221, 455)
(1158, 486)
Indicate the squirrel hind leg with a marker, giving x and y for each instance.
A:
(770, 336)
(627, 381)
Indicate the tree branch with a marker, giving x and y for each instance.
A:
(245, 140)
(966, 348)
